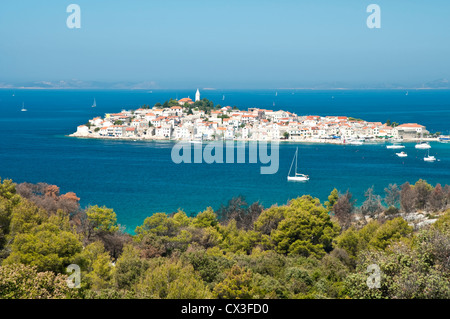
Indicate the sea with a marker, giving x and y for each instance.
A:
(139, 178)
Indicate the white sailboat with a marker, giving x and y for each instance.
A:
(429, 158)
(297, 177)
(223, 97)
(23, 109)
(95, 104)
(423, 146)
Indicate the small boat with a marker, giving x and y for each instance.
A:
(195, 140)
(276, 93)
(401, 154)
(95, 104)
(23, 109)
(444, 139)
(429, 158)
(297, 177)
(395, 146)
(356, 141)
(223, 97)
(423, 146)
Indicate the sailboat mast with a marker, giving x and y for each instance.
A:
(290, 169)
(296, 160)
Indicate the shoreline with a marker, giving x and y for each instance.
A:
(301, 141)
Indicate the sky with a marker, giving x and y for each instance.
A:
(225, 44)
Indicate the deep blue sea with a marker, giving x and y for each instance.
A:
(138, 179)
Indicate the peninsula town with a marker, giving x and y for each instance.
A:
(200, 120)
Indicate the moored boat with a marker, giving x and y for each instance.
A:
(298, 177)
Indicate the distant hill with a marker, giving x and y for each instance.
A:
(438, 84)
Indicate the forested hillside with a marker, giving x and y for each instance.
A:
(304, 249)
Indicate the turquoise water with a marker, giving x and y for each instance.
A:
(138, 179)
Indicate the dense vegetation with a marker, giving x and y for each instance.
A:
(300, 250)
(203, 105)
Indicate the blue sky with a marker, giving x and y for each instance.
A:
(235, 44)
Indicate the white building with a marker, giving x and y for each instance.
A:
(197, 96)
(82, 130)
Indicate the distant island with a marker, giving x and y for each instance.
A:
(201, 120)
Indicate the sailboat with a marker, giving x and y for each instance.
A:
(95, 104)
(276, 93)
(23, 108)
(223, 97)
(297, 177)
(422, 145)
(429, 158)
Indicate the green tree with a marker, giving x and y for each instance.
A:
(306, 229)
(26, 216)
(205, 219)
(269, 219)
(392, 230)
(405, 273)
(332, 199)
(46, 246)
(443, 222)
(7, 188)
(129, 268)
(102, 218)
(170, 279)
(96, 265)
(237, 285)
